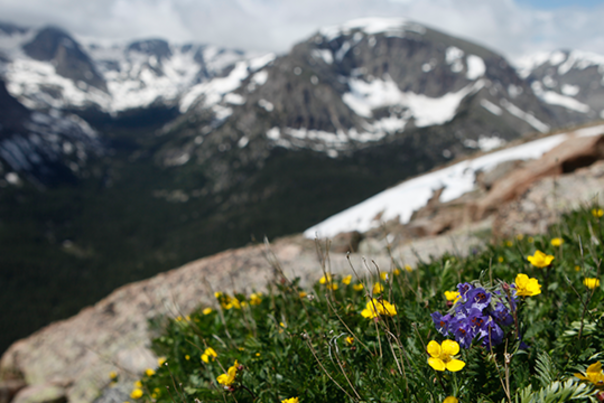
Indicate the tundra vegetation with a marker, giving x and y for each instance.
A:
(519, 321)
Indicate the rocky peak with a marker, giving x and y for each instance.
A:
(54, 45)
(151, 47)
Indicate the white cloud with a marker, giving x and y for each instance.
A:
(503, 25)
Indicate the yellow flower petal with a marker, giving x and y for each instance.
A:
(378, 288)
(346, 280)
(450, 347)
(455, 365)
(437, 364)
(434, 349)
(450, 399)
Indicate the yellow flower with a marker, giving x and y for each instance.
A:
(138, 384)
(452, 296)
(188, 318)
(187, 357)
(218, 294)
(557, 241)
(375, 308)
(207, 354)
(325, 279)
(207, 311)
(136, 393)
(509, 243)
(442, 357)
(396, 272)
(540, 259)
(577, 268)
(228, 378)
(290, 400)
(302, 294)
(283, 325)
(332, 286)
(161, 361)
(377, 288)
(500, 259)
(594, 375)
(357, 287)
(349, 340)
(255, 299)
(384, 276)
(179, 318)
(113, 375)
(520, 237)
(591, 283)
(531, 239)
(346, 280)
(527, 287)
(597, 212)
(408, 268)
(150, 372)
(450, 399)
(257, 354)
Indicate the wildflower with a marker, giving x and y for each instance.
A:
(594, 375)
(349, 340)
(377, 288)
(597, 212)
(557, 241)
(187, 357)
(509, 243)
(520, 237)
(384, 276)
(396, 272)
(302, 294)
(138, 384)
(208, 354)
(332, 286)
(346, 280)
(357, 287)
(453, 296)
(441, 322)
(113, 375)
(179, 318)
(531, 239)
(255, 299)
(442, 357)
(150, 372)
(540, 259)
(161, 361)
(577, 268)
(450, 399)
(257, 354)
(500, 259)
(591, 283)
(290, 400)
(207, 311)
(478, 298)
(233, 303)
(408, 268)
(228, 378)
(375, 308)
(326, 279)
(527, 287)
(136, 393)
(218, 294)
(282, 325)
(463, 289)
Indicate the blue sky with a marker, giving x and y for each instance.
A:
(511, 27)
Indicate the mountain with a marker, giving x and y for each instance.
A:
(570, 83)
(198, 149)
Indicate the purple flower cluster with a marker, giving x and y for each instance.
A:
(478, 314)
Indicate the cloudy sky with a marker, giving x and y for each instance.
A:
(511, 27)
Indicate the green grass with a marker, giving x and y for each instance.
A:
(294, 345)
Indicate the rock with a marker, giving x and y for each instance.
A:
(44, 393)
(9, 388)
(346, 242)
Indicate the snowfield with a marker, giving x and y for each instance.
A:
(402, 200)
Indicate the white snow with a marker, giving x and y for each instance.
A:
(370, 26)
(274, 133)
(491, 107)
(526, 116)
(570, 90)
(268, 106)
(323, 54)
(402, 200)
(553, 98)
(366, 96)
(453, 56)
(476, 67)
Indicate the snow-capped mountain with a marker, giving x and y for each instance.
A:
(50, 68)
(571, 83)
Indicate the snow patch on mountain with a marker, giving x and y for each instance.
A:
(366, 96)
(373, 26)
(402, 200)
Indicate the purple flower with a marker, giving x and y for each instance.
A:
(491, 334)
(463, 332)
(441, 322)
(463, 289)
(478, 298)
(501, 314)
